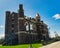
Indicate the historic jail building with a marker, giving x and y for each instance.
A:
(17, 29)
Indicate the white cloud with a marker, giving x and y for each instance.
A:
(1, 26)
(2, 35)
(56, 16)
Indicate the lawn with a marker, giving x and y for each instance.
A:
(22, 46)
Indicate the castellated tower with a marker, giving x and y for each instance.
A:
(21, 26)
(37, 17)
(38, 25)
(11, 28)
(6, 23)
(21, 20)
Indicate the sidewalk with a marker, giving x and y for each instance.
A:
(53, 45)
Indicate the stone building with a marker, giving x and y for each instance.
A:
(15, 28)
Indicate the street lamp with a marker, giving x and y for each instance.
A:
(28, 19)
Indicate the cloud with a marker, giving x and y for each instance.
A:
(1, 26)
(56, 16)
(2, 35)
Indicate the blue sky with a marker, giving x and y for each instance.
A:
(49, 11)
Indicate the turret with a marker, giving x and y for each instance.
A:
(7, 16)
(21, 11)
(37, 17)
(7, 13)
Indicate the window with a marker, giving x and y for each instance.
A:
(12, 19)
(12, 30)
(12, 25)
(31, 27)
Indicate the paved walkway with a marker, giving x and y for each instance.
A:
(53, 45)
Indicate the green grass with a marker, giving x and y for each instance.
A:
(22, 46)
